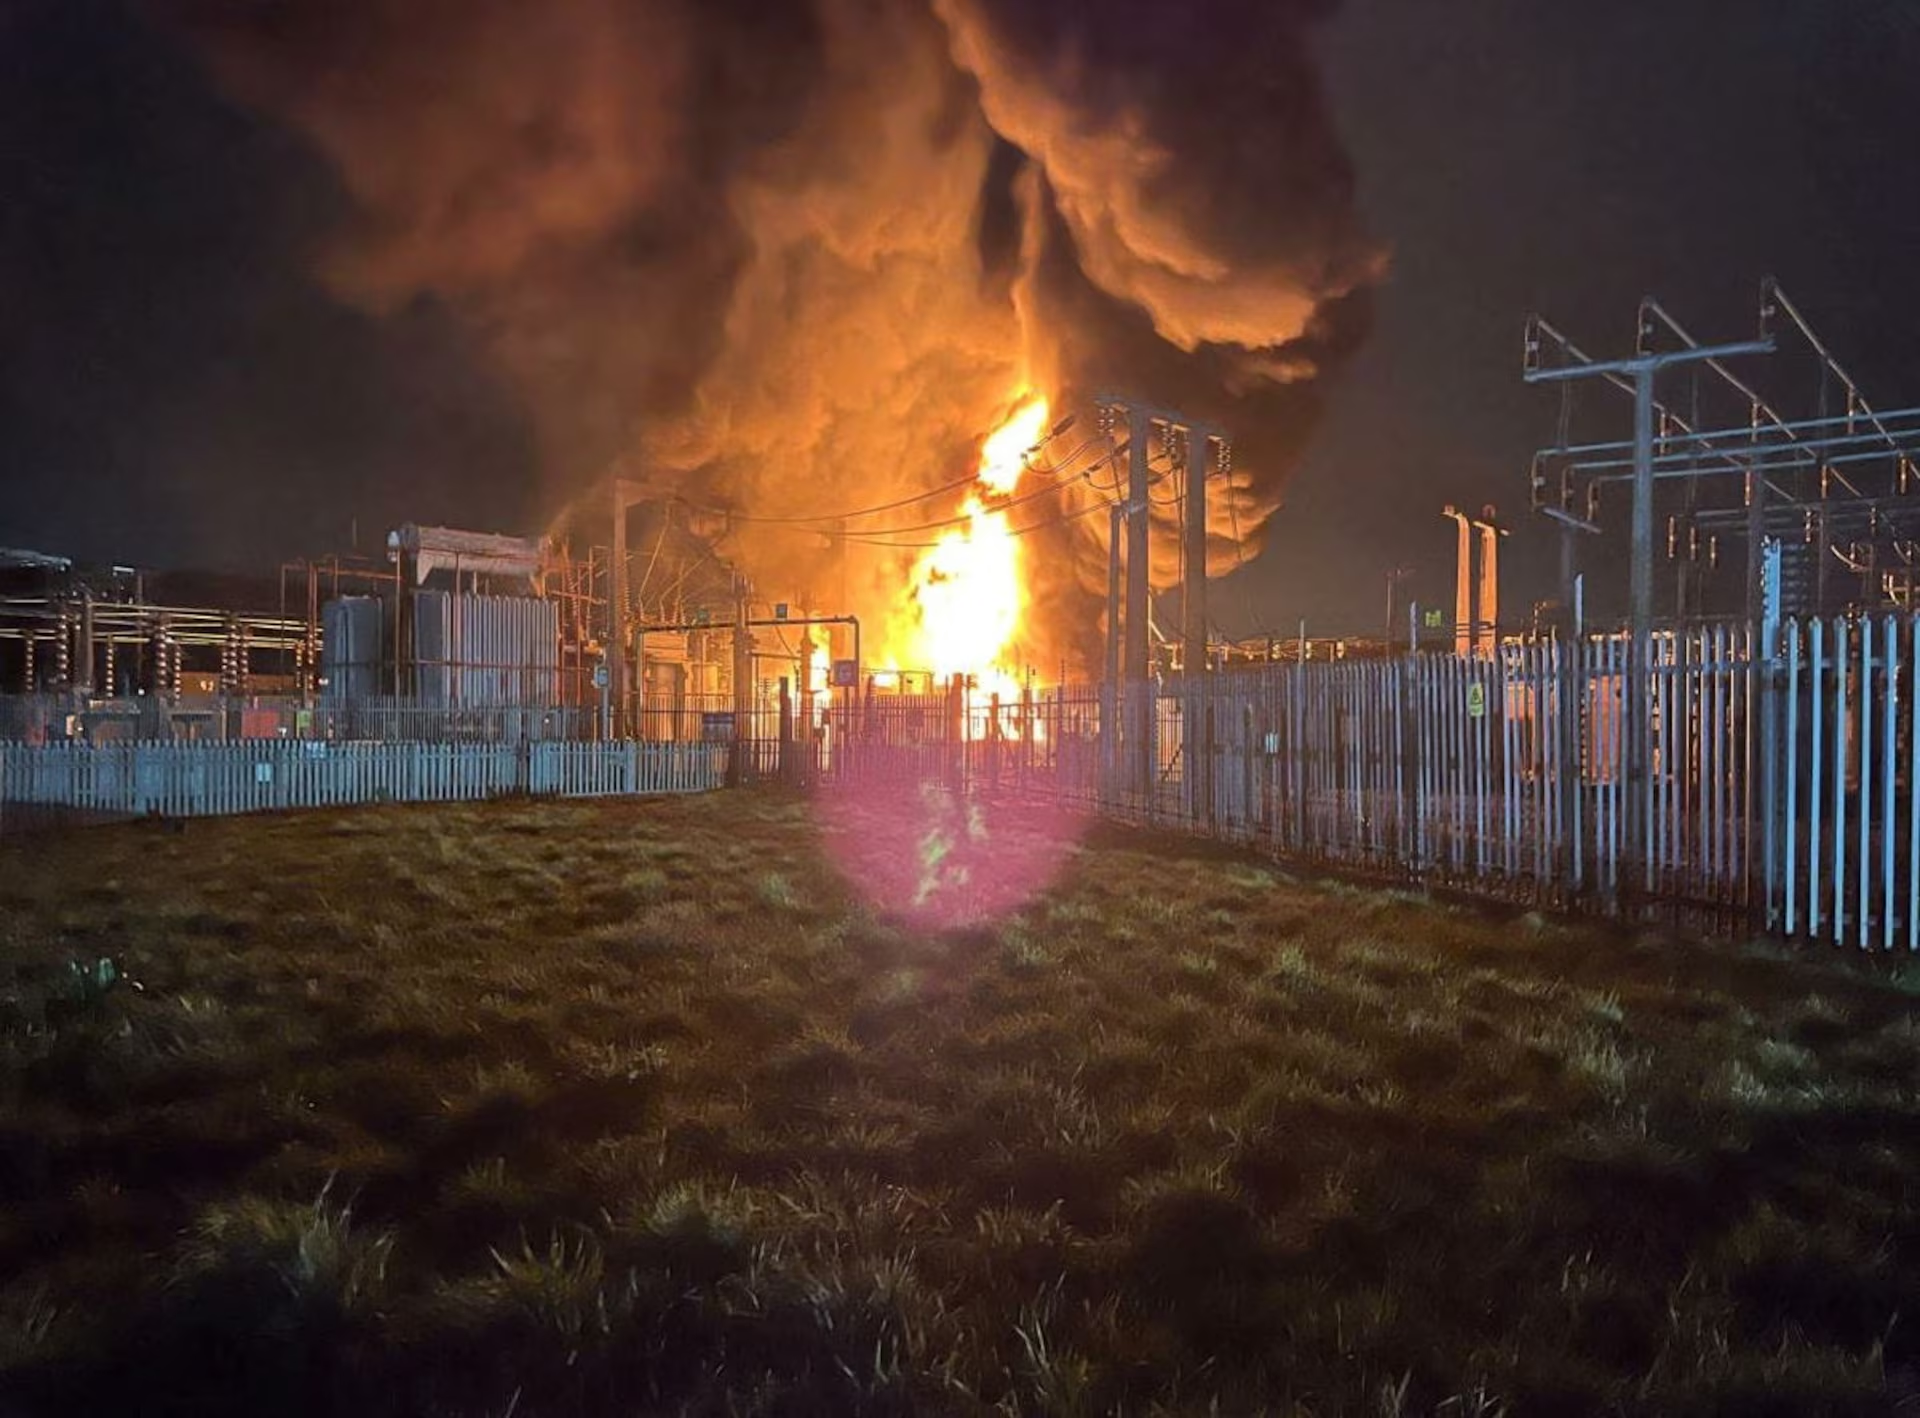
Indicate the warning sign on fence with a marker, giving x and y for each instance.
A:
(1476, 701)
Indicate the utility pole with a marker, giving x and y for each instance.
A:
(1204, 443)
(1193, 592)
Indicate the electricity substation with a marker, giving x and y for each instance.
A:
(1712, 719)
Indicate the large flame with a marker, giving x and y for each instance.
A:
(1003, 457)
(969, 587)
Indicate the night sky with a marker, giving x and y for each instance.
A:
(176, 386)
(1570, 159)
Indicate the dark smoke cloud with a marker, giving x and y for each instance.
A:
(1187, 152)
(791, 259)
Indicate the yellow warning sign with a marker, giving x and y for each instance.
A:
(1476, 701)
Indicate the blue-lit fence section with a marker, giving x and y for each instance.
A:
(1718, 776)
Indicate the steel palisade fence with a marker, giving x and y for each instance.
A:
(1765, 782)
(55, 717)
(203, 779)
(1730, 776)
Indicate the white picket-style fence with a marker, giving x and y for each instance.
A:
(209, 779)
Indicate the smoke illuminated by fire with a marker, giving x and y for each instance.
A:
(779, 260)
(1003, 457)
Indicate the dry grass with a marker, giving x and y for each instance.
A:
(639, 1107)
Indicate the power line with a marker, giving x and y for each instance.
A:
(933, 492)
(930, 493)
(962, 518)
(1016, 532)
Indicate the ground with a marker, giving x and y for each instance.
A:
(631, 1107)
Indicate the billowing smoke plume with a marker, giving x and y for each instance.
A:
(794, 259)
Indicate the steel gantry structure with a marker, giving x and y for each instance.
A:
(1838, 480)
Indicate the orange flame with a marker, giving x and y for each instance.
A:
(970, 588)
(1003, 457)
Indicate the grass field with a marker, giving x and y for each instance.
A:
(637, 1107)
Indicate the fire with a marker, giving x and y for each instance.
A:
(1003, 457)
(970, 593)
(820, 672)
(969, 587)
